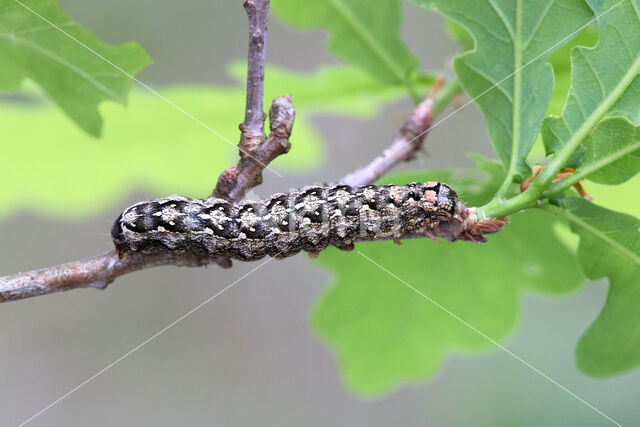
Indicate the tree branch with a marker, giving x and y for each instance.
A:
(97, 272)
(233, 183)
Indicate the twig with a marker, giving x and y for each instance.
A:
(235, 181)
(97, 272)
(257, 151)
(253, 126)
(252, 135)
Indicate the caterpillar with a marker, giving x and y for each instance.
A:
(306, 219)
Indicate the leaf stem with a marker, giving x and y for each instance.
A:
(498, 208)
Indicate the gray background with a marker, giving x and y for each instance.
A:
(249, 357)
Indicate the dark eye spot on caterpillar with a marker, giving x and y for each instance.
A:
(307, 219)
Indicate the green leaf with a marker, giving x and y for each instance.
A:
(609, 247)
(611, 154)
(386, 334)
(603, 78)
(360, 33)
(513, 39)
(152, 148)
(73, 76)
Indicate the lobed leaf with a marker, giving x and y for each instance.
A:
(154, 148)
(73, 76)
(603, 78)
(609, 247)
(361, 33)
(385, 334)
(610, 154)
(508, 71)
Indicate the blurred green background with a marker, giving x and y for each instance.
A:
(249, 357)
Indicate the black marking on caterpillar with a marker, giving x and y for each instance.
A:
(307, 219)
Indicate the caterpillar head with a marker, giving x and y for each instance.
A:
(441, 196)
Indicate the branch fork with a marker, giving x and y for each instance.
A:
(235, 181)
